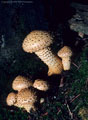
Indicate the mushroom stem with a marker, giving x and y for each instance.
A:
(53, 62)
(66, 61)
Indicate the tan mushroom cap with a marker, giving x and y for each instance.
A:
(41, 85)
(21, 82)
(26, 96)
(65, 52)
(36, 40)
(11, 99)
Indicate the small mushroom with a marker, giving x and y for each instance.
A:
(65, 53)
(38, 42)
(11, 99)
(42, 100)
(26, 99)
(41, 85)
(20, 83)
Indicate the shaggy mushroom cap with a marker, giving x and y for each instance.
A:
(36, 40)
(41, 85)
(26, 96)
(20, 83)
(65, 52)
(11, 99)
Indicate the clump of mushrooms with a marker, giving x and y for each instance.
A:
(65, 53)
(26, 95)
(25, 98)
(21, 82)
(38, 42)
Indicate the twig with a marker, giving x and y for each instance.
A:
(75, 98)
(70, 113)
(45, 114)
(61, 82)
(59, 110)
(75, 65)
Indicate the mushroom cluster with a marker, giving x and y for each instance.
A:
(23, 99)
(26, 95)
(38, 42)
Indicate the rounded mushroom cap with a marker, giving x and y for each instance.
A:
(21, 82)
(26, 96)
(11, 99)
(65, 52)
(36, 40)
(41, 85)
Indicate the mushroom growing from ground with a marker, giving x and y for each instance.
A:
(26, 96)
(65, 53)
(41, 85)
(11, 98)
(23, 99)
(20, 83)
(39, 41)
(26, 99)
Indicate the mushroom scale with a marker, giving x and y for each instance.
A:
(65, 53)
(39, 42)
(41, 85)
(20, 83)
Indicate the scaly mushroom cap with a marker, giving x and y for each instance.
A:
(20, 83)
(41, 85)
(26, 96)
(11, 99)
(65, 52)
(36, 40)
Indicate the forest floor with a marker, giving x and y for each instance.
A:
(69, 102)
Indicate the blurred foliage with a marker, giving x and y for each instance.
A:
(6, 114)
(83, 112)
